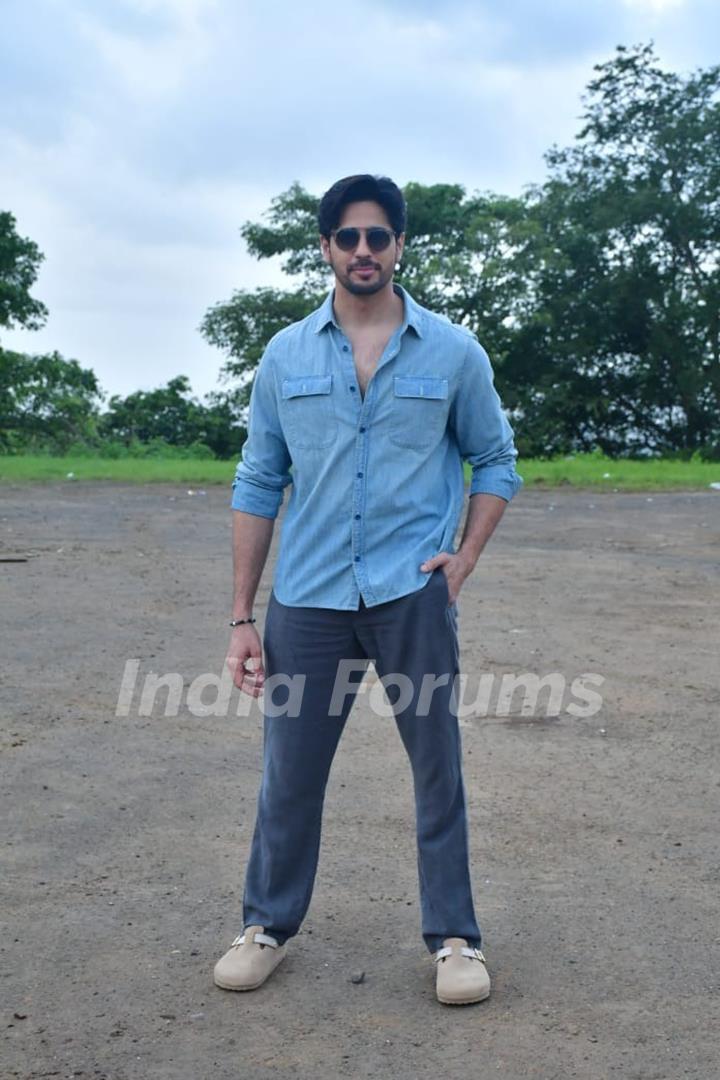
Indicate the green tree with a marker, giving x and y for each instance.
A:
(19, 263)
(224, 432)
(171, 415)
(243, 325)
(624, 270)
(46, 402)
(169, 412)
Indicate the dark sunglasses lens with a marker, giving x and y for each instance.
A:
(347, 239)
(378, 239)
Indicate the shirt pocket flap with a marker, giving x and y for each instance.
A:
(302, 385)
(421, 386)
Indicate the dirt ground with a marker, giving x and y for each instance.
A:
(594, 839)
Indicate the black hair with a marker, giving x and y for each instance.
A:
(379, 189)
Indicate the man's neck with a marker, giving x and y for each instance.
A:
(364, 312)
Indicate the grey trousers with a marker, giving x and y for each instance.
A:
(415, 635)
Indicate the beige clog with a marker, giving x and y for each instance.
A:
(462, 977)
(250, 960)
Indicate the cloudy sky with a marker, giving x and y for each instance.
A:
(136, 136)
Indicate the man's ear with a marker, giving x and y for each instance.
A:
(325, 248)
(400, 247)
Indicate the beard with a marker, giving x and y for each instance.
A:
(362, 288)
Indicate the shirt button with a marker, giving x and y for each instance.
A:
(357, 517)
(353, 388)
(357, 558)
(345, 348)
(360, 475)
(362, 428)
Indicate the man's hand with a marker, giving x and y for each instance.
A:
(246, 648)
(484, 512)
(455, 568)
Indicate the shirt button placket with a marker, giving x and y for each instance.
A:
(356, 525)
(359, 491)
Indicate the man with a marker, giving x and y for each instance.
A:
(374, 402)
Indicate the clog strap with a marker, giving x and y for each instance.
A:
(474, 954)
(258, 938)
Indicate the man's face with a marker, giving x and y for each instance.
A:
(362, 271)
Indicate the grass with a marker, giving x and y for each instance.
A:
(594, 471)
(31, 468)
(581, 470)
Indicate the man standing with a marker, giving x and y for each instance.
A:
(374, 402)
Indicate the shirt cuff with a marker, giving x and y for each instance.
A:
(255, 500)
(501, 480)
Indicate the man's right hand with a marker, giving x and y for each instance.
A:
(246, 648)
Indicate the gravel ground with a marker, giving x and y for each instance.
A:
(594, 838)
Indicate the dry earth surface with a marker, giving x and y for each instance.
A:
(594, 838)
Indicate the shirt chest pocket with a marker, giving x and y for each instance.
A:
(420, 407)
(307, 412)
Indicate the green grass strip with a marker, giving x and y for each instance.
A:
(581, 470)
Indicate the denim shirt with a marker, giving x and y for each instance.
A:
(377, 482)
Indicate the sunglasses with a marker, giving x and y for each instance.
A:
(377, 237)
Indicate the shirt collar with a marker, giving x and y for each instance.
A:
(413, 315)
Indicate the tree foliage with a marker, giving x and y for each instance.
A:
(19, 264)
(625, 266)
(46, 401)
(243, 325)
(173, 416)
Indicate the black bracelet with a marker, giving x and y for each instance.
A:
(239, 622)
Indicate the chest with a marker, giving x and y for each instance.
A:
(367, 352)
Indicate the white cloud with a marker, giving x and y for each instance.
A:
(158, 66)
(654, 7)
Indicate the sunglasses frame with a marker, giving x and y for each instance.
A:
(390, 233)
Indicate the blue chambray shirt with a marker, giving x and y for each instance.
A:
(377, 482)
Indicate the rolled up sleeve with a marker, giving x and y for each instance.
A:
(264, 470)
(482, 430)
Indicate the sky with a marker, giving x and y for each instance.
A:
(137, 136)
